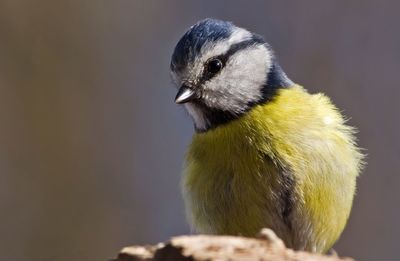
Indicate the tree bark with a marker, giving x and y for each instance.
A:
(266, 247)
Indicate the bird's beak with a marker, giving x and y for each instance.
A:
(185, 94)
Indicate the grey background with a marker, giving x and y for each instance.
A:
(91, 143)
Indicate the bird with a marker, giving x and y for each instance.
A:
(265, 152)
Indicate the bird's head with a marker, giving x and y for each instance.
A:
(222, 71)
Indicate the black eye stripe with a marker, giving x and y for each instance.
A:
(234, 48)
(243, 45)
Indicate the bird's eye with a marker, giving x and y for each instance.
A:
(214, 66)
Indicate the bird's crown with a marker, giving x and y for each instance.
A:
(222, 71)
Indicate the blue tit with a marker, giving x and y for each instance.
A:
(265, 153)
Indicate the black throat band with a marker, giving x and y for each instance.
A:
(276, 79)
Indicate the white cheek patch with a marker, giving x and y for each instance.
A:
(240, 81)
(194, 70)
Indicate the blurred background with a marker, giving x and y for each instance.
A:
(92, 144)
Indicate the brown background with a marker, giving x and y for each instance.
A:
(91, 143)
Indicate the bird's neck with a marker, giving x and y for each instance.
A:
(211, 118)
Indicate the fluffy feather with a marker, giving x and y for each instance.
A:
(236, 182)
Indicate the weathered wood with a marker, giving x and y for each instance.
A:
(267, 247)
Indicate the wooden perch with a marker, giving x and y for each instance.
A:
(267, 247)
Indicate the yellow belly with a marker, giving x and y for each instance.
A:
(236, 176)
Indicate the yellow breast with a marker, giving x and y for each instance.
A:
(235, 174)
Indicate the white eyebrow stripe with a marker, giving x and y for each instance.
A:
(239, 35)
(213, 49)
